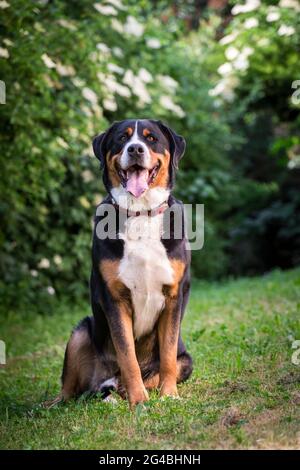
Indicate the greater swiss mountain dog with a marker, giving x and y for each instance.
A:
(140, 280)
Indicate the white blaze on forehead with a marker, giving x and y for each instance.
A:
(135, 139)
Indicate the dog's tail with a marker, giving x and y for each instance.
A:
(51, 403)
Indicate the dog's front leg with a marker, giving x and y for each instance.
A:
(168, 332)
(122, 335)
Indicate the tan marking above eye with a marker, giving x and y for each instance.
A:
(148, 135)
(146, 132)
(129, 131)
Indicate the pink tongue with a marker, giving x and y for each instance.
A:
(137, 182)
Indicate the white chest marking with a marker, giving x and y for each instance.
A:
(144, 269)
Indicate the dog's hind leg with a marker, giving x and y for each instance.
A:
(85, 368)
(152, 382)
(79, 361)
(184, 367)
(78, 365)
(184, 362)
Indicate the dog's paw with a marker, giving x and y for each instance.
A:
(137, 396)
(170, 397)
(169, 390)
(51, 403)
(111, 399)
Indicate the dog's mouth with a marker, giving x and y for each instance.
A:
(137, 179)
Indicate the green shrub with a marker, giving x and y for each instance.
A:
(70, 69)
(260, 50)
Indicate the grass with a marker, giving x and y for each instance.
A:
(244, 392)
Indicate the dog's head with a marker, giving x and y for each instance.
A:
(139, 155)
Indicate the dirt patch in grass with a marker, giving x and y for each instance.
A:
(271, 430)
(290, 378)
(232, 417)
(232, 387)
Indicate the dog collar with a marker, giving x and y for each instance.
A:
(149, 213)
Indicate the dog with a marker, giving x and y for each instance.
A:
(140, 281)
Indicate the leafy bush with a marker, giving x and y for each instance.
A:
(259, 66)
(71, 68)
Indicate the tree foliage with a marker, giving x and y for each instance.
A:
(71, 68)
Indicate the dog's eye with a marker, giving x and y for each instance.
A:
(123, 138)
(151, 138)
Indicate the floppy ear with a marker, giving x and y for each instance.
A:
(177, 144)
(99, 144)
(98, 148)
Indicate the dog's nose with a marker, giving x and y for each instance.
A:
(135, 150)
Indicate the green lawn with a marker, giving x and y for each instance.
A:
(244, 392)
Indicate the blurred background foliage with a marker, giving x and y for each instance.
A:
(221, 73)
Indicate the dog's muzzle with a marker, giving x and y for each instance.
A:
(136, 169)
